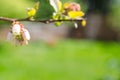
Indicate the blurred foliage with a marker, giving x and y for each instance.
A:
(46, 10)
(14, 8)
(67, 60)
(114, 16)
(17, 9)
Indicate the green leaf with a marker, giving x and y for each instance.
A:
(45, 10)
(36, 6)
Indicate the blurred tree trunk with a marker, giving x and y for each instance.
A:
(97, 22)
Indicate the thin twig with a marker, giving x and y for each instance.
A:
(42, 21)
(7, 19)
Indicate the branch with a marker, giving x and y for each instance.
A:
(42, 21)
(6, 19)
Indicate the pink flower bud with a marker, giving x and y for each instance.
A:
(72, 6)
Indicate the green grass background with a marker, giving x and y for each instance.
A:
(67, 60)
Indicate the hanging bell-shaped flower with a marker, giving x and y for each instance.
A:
(18, 34)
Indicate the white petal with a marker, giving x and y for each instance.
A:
(16, 29)
(53, 3)
(9, 36)
(76, 25)
(26, 34)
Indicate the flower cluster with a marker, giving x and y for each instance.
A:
(73, 10)
(18, 34)
(69, 10)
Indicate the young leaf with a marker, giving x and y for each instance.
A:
(59, 5)
(36, 6)
(56, 4)
(75, 14)
(32, 11)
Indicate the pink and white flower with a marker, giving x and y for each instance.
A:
(18, 34)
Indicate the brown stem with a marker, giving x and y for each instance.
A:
(6, 19)
(42, 21)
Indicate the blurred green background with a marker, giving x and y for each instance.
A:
(67, 59)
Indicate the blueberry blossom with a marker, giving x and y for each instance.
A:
(18, 34)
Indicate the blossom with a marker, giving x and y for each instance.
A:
(75, 14)
(72, 6)
(73, 10)
(18, 34)
(66, 11)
